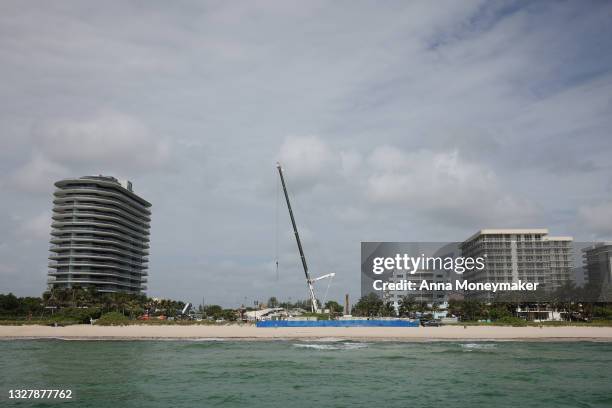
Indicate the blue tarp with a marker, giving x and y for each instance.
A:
(338, 323)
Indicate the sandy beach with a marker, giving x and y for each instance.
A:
(249, 332)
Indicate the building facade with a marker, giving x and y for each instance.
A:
(431, 297)
(597, 260)
(100, 236)
(529, 255)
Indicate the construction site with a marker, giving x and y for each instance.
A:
(281, 317)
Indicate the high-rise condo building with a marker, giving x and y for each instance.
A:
(432, 276)
(421, 296)
(598, 263)
(529, 255)
(99, 236)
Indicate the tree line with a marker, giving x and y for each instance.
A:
(79, 305)
(570, 303)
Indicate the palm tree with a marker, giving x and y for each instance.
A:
(273, 302)
(434, 308)
(406, 305)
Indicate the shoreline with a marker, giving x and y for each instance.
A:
(251, 333)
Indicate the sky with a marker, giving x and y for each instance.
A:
(394, 121)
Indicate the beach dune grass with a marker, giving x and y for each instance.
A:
(113, 319)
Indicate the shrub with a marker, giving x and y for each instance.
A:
(512, 321)
(499, 312)
(113, 319)
(76, 315)
(602, 312)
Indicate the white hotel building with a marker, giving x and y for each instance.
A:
(520, 254)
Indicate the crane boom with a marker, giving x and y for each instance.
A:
(313, 299)
(329, 275)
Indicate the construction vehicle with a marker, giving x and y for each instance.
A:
(315, 308)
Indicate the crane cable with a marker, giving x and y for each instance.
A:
(326, 292)
(276, 231)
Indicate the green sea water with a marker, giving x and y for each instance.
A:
(339, 373)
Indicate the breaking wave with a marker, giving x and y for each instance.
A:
(477, 346)
(333, 346)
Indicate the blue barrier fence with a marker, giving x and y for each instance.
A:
(338, 323)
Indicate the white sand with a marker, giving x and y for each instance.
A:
(250, 332)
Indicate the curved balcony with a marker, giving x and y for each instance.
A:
(69, 201)
(101, 265)
(104, 182)
(78, 215)
(93, 235)
(80, 248)
(97, 241)
(96, 257)
(137, 278)
(69, 207)
(142, 276)
(86, 281)
(99, 226)
(66, 235)
(92, 191)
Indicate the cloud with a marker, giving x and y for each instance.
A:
(425, 120)
(442, 185)
(7, 269)
(308, 159)
(598, 219)
(424, 175)
(350, 162)
(36, 227)
(37, 175)
(104, 143)
(104, 138)
(352, 215)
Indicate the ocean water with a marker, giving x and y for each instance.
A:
(329, 373)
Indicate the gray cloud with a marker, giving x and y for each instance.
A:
(502, 106)
(91, 144)
(104, 137)
(597, 219)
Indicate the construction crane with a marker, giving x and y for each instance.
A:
(313, 300)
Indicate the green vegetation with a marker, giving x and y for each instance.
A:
(74, 315)
(78, 305)
(563, 323)
(216, 312)
(298, 304)
(13, 307)
(512, 321)
(499, 312)
(602, 313)
(373, 306)
(334, 307)
(273, 302)
(113, 319)
(21, 322)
